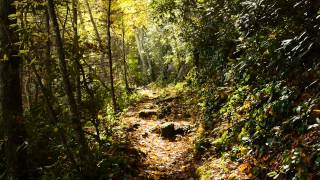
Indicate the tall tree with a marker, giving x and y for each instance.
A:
(124, 57)
(48, 63)
(99, 39)
(75, 50)
(79, 67)
(68, 89)
(10, 94)
(113, 96)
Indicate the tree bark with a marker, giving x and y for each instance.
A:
(75, 50)
(139, 42)
(48, 63)
(125, 67)
(113, 96)
(95, 28)
(196, 57)
(147, 64)
(11, 117)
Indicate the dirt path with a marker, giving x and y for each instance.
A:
(166, 156)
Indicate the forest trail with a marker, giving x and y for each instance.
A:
(161, 129)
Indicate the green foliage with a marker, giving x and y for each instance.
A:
(135, 72)
(127, 99)
(258, 70)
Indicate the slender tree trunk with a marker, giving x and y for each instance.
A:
(64, 23)
(68, 90)
(54, 118)
(46, 89)
(80, 69)
(27, 90)
(196, 57)
(48, 63)
(125, 67)
(36, 94)
(95, 28)
(92, 108)
(11, 117)
(113, 96)
(147, 64)
(99, 39)
(75, 50)
(139, 43)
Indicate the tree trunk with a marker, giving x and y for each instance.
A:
(113, 96)
(99, 39)
(95, 28)
(54, 118)
(80, 70)
(48, 63)
(139, 39)
(125, 67)
(147, 64)
(11, 117)
(68, 90)
(75, 50)
(196, 57)
(92, 107)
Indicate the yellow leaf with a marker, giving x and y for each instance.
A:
(245, 167)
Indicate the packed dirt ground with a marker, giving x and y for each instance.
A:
(162, 130)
